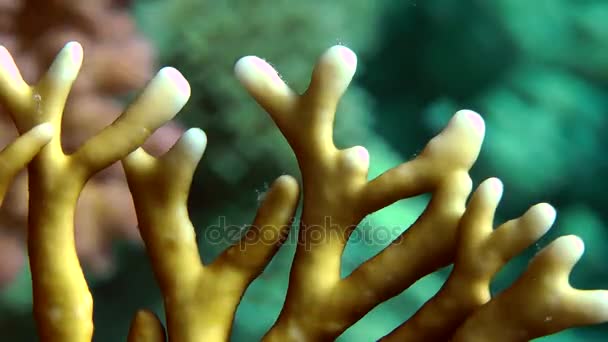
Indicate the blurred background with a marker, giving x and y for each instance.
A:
(536, 70)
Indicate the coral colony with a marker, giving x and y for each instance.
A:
(200, 300)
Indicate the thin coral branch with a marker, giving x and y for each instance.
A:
(481, 253)
(16, 156)
(541, 302)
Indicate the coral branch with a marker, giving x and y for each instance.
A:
(337, 196)
(163, 97)
(200, 301)
(146, 327)
(541, 302)
(20, 152)
(62, 302)
(481, 253)
(119, 61)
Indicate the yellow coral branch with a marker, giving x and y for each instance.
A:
(541, 302)
(337, 195)
(200, 301)
(63, 305)
(481, 253)
(146, 327)
(16, 156)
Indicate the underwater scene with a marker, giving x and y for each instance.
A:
(231, 170)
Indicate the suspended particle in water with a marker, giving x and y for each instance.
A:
(38, 99)
(261, 194)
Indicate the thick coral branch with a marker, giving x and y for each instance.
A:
(119, 61)
(62, 302)
(337, 196)
(200, 300)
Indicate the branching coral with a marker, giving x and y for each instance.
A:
(62, 302)
(119, 61)
(247, 147)
(200, 300)
(320, 306)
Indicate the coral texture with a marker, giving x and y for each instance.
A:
(320, 304)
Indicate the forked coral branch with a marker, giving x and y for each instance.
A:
(337, 196)
(63, 306)
(541, 302)
(200, 300)
(480, 253)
